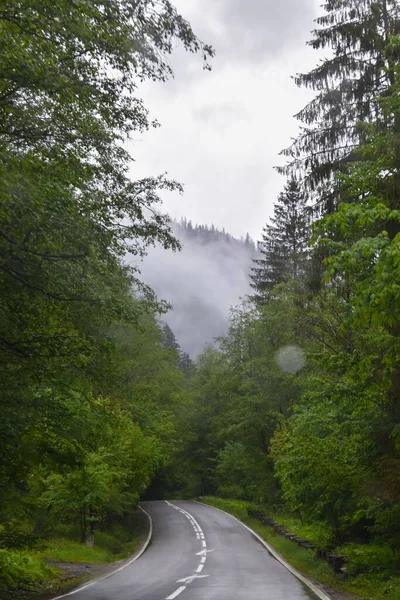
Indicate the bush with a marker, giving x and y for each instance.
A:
(369, 558)
(18, 540)
(109, 542)
(231, 491)
(18, 570)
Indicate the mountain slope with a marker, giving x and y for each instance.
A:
(202, 282)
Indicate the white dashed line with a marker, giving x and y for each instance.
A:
(176, 593)
(203, 553)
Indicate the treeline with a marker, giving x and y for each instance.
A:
(300, 406)
(206, 234)
(89, 383)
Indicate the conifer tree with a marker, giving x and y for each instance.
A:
(347, 86)
(169, 340)
(284, 245)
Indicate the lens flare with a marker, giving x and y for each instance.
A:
(290, 359)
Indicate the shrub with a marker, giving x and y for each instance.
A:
(18, 570)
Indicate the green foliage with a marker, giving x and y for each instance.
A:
(21, 571)
(18, 540)
(372, 558)
(89, 392)
(323, 442)
(371, 569)
(284, 246)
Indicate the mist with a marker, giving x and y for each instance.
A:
(201, 282)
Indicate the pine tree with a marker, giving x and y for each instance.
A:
(186, 364)
(169, 340)
(284, 245)
(347, 86)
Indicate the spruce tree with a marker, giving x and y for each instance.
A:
(347, 86)
(169, 340)
(284, 245)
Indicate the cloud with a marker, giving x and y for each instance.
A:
(255, 29)
(221, 136)
(222, 131)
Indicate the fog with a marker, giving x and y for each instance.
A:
(201, 282)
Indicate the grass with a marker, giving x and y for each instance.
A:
(21, 573)
(365, 580)
(65, 550)
(34, 572)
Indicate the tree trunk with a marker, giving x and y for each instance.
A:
(90, 536)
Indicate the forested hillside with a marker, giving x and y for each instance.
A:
(201, 282)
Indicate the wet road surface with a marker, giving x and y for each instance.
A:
(199, 553)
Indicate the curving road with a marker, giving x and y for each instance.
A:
(198, 553)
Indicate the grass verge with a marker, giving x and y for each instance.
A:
(367, 585)
(61, 563)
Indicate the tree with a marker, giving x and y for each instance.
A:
(68, 208)
(347, 86)
(69, 211)
(362, 240)
(284, 245)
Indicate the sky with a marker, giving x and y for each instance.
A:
(221, 132)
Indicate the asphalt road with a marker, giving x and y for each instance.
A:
(199, 553)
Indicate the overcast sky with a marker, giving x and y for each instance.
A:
(222, 131)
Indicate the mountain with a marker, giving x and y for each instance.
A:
(201, 282)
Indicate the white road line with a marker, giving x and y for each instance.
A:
(275, 554)
(176, 593)
(203, 553)
(185, 512)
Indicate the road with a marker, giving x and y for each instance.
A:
(198, 553)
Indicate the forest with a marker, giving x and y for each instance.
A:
(297, 408)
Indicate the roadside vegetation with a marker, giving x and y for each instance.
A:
(372, 570)
(31, 566)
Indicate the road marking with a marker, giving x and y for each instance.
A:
(185, 512)
(190, 578)
(176, 593)
(275, 554)
(204, 552)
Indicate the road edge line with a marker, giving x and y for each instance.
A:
(131, 561)
(275, 554)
